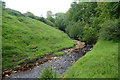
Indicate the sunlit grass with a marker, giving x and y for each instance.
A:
(101, 62)
(59, 53)
(25, 38)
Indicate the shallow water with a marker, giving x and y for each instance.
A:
(61, 65)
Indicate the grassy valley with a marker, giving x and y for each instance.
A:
(26, 37)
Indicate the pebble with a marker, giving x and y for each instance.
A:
(61, 64)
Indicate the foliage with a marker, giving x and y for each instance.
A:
(60, 21)
(48, 73)
(108, 10)
(77, 17)
(46, 21)
(98, 18)
(110, 30)
(101, 62)
(90, 35)
(24, 38)
(75, 29)
(91, 30)
(50, 16)
(92, 15)
(29, 14)
(81, 12)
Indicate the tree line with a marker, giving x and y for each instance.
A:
(91, 21)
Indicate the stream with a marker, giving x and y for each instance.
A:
(60, 63)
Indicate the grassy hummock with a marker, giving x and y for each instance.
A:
(101, 62)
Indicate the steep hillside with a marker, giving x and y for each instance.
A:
(101, 62)
(25, 38)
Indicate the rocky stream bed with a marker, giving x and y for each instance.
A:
(60, 63)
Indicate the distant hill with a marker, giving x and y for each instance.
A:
(24, 38)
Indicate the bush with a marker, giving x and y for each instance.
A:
(75, 29)
(48, 73)
(48, 22)
(29, 14)
(91, 30)
(110, 30)
(89, 34)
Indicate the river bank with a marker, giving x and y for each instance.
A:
(60, 63)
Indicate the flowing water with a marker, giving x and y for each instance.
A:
(61, 64)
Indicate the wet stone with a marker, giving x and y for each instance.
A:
(61, 64)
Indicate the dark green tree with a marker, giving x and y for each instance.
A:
(29, 14)
(79, 14)
(108, 10)
(60, 21)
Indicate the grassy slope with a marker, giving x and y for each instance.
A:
(101, 62)
(20, 34)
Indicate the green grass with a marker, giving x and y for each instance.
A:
(48, 73)
(59, 53)
(101, 62)
(21, 34)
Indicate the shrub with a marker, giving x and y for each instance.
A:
(91, 30)
(29, 14)
(48, 73)
(75, 29)
(89, 34)
(110, 30)
(48, 22)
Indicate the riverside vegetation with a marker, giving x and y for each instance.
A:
(26, 36)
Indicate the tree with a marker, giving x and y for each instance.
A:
(75, 29)
(60, 21)
(50, 16)
(81, 11)
(110, 30)
(29, 14)
(78, 16)
(108, 10)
